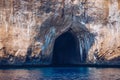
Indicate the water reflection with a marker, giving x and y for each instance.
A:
(61, 73)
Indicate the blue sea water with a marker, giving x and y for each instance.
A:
(61, 73)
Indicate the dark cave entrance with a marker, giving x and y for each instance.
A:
(66, 50)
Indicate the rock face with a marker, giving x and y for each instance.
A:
(29, 30)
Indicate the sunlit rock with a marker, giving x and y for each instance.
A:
(29, 30)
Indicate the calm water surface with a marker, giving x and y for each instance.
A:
(66, 73)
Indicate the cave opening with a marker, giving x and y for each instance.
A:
(66, 50)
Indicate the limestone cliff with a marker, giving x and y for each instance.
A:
(29, 28)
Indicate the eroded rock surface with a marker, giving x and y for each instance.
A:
(29, 28)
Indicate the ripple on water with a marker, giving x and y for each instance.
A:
(62, 73)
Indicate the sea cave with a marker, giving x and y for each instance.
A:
(66, 50)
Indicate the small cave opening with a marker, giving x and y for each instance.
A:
(66, 50)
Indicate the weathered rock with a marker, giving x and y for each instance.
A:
(29, 29)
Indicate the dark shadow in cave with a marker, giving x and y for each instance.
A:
(72, 51)
(66, 50)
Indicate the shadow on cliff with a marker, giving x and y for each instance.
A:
(80, 36)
